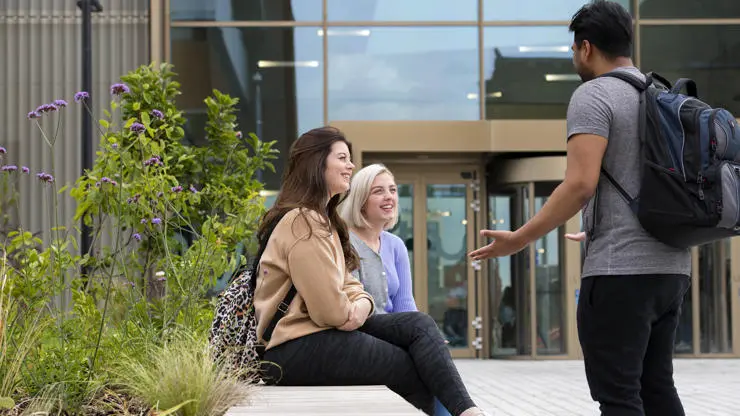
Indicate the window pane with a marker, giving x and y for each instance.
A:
(409, 10)
(412, 73)
(404, 228)
(707, 54)
(536, 9)
(528, 72)
(501, 290)
(275, 72)
(715, 282)
(549, 282)
(447, 263)
(689, 9)
(231, 10)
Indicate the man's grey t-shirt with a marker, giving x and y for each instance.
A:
(609, 107)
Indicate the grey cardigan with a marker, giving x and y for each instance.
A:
(371, 273)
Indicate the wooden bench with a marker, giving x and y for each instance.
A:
(324, 400)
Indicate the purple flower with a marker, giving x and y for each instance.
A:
(46, 108)
(238, 135)
(25, 170)
(137, 236)
(158, 114)
(154, 160)
(105, 179)
(114, 146)
(81, 96)
(193, 190)
(156, 221)
(97, 184)
(8, 168)
(60, 103)
(32, 115)
(3, 150)
(159, 195)
(137, 128)
(176, 189)
(45, 177)
(143, 221)
(118, 89)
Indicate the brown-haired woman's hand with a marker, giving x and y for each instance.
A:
(357, 315)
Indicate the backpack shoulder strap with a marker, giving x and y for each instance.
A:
(635, 82)
(641, 87)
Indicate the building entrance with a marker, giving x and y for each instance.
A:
(439, 218)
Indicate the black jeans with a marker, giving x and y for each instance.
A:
(403, 351)
(627, 327)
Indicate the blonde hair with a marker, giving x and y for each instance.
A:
(359, 192)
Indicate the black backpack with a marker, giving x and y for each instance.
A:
(690, 179)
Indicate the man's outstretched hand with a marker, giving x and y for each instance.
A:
(505, 243)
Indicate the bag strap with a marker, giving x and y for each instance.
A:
(282, 308)
(281, 311)
(641, 87)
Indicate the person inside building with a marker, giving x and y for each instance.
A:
(632, 284)
(370, 210)
(329, 334)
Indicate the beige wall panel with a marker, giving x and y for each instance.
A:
(527, 135)
(534, 169)
(42, 53)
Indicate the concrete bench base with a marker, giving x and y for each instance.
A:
(329, 400)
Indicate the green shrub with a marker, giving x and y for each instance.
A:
(174, 216)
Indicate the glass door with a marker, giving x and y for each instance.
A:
(527, 290)
(436, 223)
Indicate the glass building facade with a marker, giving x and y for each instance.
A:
(298, 64)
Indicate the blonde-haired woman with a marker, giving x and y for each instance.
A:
(371, 208)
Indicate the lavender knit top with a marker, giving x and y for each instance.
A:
(386, 275)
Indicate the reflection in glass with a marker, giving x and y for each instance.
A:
(509, 290)
(536, 9)
(274, 72)
(232, 10)
(501, 288)
(528, 72)
(708, 55)
(689, 9)
(521, 271)
(684, 343)
(404, 229)
(447, 262)
(549, 285)
(715, 318)
(404, 73)
(408, 10)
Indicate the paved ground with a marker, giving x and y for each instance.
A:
(707, 387)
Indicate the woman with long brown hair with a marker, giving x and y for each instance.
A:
(328, 334)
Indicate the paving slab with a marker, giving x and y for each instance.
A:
(708, 387)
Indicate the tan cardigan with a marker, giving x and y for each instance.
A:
(315, 265)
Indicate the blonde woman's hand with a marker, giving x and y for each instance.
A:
(576, 237)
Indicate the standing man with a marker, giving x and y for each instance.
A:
(633, 285)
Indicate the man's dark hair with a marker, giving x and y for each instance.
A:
(606, 25)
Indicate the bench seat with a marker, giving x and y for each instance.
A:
(324, 400)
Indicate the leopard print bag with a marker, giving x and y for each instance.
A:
(233, 335)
